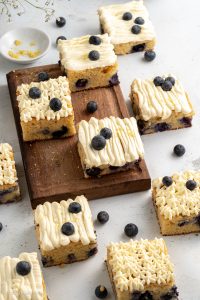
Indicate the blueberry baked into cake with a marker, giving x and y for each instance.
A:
(9, 187)
(160, 104)
(109, 145)
(46, 110)
(65, 231)
(141, 270)
(21, 278)
(177, 202)
(89, 62)
(128, 26)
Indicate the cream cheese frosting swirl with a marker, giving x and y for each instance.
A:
(7, 165)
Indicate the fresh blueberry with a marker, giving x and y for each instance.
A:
(162, 127)
(93, 172)
(95, 40)
(60, 21)
(136, 29)
(62, 37)
(98, 142)
(43, 76)
(167, 181)
(101, 292)
(1, 226)
(55, 104)
(68, 228)
(93, 55)
(167, 86)
(149, 55)
(139, 21)
(103, 217)
(131, 230)
(191, 185)
(127, 16)
(171, 79)
(114, 80)
(23, 268)
(74, 207)
(106, 133)
(158, 81)
(81, 83)
(138, 48)
(91, 107)
(179, 150)
(34, 92)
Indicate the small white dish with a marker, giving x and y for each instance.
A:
(32, 39)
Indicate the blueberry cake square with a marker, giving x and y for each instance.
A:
(109, 145)
(21, 278)
(128, 26)
(46, 110)
(177, 202)
(89, 62)
(141, 270)
(9, 187)
(65, 231)
(160, 104)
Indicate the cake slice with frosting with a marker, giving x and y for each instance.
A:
(160, 104)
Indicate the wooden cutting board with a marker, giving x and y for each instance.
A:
(52, 167)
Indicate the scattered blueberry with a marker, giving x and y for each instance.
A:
(93, 55)
(136, 29)
(93, 172)
(138, 48)
(127, 16)
(95, 40)
(179, 150)
(103, 217)
(62, 37)
(43, 76)
(139, 21)
(23, 268)
(101, 292)
(74, 207)
(131, 230)
(55, 104)
(67, 228)
(149, 55)
(171, 79)
(167, 181)
(81, 83)
(106, 133)
(191, 185)
(34, 92)
(98, 142)
(167, 86)
(91, 107)
(1, 227)
(158, 81)
(60, 21)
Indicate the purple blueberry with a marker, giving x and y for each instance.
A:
(68, 229)
(55, 104)
(106, 133)
(191, 185)
(131, 230)
(34, 93)
(93, 55)
(127, 16)
(103, 217)
(98, 142)
(23, 268)
(95, 40)
(136, 29)
(139, 21)
(81, 83)
(167, 181)
(179, 150)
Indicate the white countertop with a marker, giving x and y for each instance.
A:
(177, 24)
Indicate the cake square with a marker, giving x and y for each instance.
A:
(89, 62)
(141, 270)
(109, 145)
(9, 187)
(65, 231)
(46, 110)
(160, 104)
(128, 26)
(177, 202)
(21, 278)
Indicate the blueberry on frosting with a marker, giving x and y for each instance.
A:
(55, 104)
(98, 142)
(167, 181)
(74, 208)
(93, 55)
(167, 86)
(95, 40)
(158, 81)
(23, 268)
(171, 79)
(106, 133)
(127, 16)
(139, 21)
(68, 228)
(34, 93)
(191, 185)
(136, 29)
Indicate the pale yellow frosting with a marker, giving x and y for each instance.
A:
(138, 264)
(176, 200)
(17, 287)
(39, 108)
(124, 146)
(7, 165)
(156, 103)
(74, 53)
(120, 30)
(51, 216)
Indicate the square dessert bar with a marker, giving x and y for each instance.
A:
(89, 62)
(109, 145)
(177, 202)
(65, 231)
(128, 26)
(9, 187)
(21, 278)
(46, 110)
(141, 270)
(160, 104)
